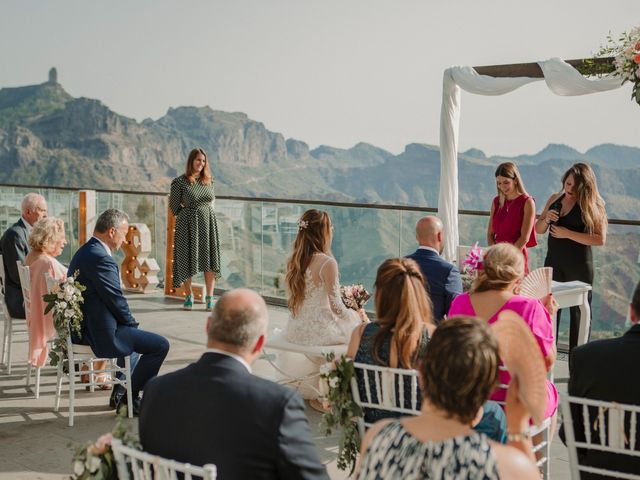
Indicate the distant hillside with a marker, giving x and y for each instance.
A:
(49, 137)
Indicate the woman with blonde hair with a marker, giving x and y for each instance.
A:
(47, 240)
(196, 246)
(403, 326)
(317, 314)
(496, 288)
(576, 219)
(513, 212)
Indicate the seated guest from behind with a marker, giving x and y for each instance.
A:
(496, 288)
(605, 370)
(442, 279)
(215, 411)
(47, 240)
(14, 246)
(318, 316)
(108, 326)
(399, 336)
(458, 373)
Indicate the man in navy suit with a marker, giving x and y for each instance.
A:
(216, 411)
(14, 246)
(108, 326)
(442, 278)
(604, 370)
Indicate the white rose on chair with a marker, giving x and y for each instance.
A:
(64, 302)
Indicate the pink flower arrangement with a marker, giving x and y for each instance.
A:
(473, 262)
(626, 51)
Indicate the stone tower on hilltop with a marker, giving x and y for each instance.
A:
(53, 76)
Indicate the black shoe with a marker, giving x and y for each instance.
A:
(122, 405)
(116, 395)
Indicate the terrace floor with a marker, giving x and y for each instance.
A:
(36, 443)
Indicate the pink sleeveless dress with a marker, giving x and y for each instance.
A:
(41, 329)
(507, 223)
(538, 320)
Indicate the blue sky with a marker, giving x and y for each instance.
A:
(332, 72)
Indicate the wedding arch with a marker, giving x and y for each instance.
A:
(562, 77)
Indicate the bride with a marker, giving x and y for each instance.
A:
(317, 314)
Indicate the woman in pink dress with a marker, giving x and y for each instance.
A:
(46, 240)
(513, 212)
(496, 289)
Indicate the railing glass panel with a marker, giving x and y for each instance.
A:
(256, 239)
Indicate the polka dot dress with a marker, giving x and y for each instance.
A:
(196, 245)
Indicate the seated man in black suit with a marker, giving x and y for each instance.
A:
(14, 246)
(442, 278)
(215, 411)
(108, 325)
(605, 370)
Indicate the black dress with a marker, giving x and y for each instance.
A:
(365, 355)
(570, 261)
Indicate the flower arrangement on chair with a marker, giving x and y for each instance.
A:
(64, 300)
(343, 411)
(470, 266)
(95, 460)
(626, 53)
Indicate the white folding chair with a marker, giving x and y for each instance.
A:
(606, 427)
(79, 354)
(384, 389)
(25, 285)
(541, 447)
(12, 326)
(139, 465)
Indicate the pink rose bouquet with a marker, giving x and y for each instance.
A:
(354, 296)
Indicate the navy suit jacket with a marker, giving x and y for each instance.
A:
(215, 411)
(105, 310)
(442, 280)
(13, 247)
(605, 370)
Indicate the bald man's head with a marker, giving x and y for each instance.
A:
(429, 232)
(238, 320)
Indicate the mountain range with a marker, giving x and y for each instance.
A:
(48, 137)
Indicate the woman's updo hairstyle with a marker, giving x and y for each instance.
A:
(501, 265)
(403, 309)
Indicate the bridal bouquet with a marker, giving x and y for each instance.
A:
(354, 296)
(470, 266)
(627, 58)
(64, 300)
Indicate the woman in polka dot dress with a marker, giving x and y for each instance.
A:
(196, 247)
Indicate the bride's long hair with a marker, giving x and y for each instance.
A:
(314, 236)
(403, 309)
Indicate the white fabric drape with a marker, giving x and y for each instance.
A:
(560, 77)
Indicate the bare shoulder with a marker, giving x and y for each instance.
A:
(512, 463)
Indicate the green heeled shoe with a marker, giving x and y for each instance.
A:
(210, 302)
(188, 302)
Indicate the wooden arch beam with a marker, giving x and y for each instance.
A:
(586, 66)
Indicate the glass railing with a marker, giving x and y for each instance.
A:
(256, 237)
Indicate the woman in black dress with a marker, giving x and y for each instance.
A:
(576, 220)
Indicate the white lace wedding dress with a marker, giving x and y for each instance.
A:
(322, 319)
